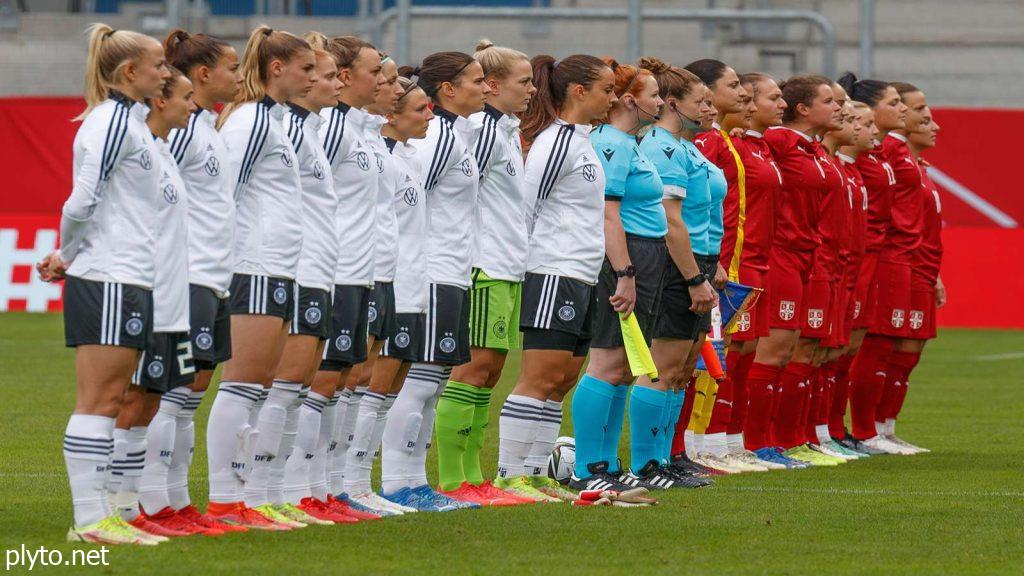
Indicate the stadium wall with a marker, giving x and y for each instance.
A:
(982, 206)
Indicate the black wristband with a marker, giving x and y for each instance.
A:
(627, 272)
(696, 280)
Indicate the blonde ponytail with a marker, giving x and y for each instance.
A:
(109, 51)
(264, 46)
(497, 61)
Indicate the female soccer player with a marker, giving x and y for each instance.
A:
(565, 182)
(498, 268)
(630, 282)
(810, 111)
(109, 270)
(290, 490)
(455, 83)
(211, 65)
(354, 168)
(403, 345)
(276, 67)
(920, 132)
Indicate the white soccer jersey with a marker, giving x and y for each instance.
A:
(355, 182)
(200, 153)
(170, 290)
(319, 202)
(451, 179)
(411, 214)
(502, 238)
(268, 191)
(566, 182)
(108, 225)
(386, 257)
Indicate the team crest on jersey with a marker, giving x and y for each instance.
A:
(146, 160)
(371, 314)
(916, 319)
(204, 341)
(815, 317)
(133, 326)
(500, 329)
(363, 161)
(467, 167)
(170, 194)
(313, 315)
(743, 324)
(343, 342)
(155, 369)
(212, 166)
(280, 295)
(402, 339)
(608, 153)
(380, 163)
(510, 168)
(286, 159)
(566, 313)
(787, 309)
(669, 151)
(447, 344)
(856, 309)
(410, 196)
(898, 317)
(589, 173)
(318, 170)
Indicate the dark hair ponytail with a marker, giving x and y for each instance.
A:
(708, 70)
(439, 68)
(552, 79)
(869, 92)
(187, 52)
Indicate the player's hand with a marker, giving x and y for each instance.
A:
(51, 268)
(736, 133)
(624, 298)
(940, 293)
(703, 298)
(721, 277)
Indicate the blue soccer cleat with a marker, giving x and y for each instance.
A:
(441, 500)
(772, 454)
(416, 500)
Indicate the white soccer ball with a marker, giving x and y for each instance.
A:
(562, 459)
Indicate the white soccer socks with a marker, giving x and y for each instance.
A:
(229, 422)
(88, 446)
(518, 427)
(160, 441)
(548, 428)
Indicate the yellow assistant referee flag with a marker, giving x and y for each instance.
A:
(640, 361)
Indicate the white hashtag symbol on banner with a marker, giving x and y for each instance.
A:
(35, 292)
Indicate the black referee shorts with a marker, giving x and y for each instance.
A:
(676, 321)
(648, 256)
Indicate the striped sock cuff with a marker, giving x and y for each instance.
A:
(483, 397)
(92, 448)
(334, 399)
(522, 408)
(250, 393)
(460, 393)
(194, 400)
(317, 404)
(288, 386)
(374, 395)
(178, 397)
(552, 412)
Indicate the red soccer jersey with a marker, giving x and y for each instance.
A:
(879, 180)
(929, 253)
(904, 233)
(833, 225)
(803, 181)
(858, 202)
(763, 182)
(712, 144)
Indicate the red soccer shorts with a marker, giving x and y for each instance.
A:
(891, 290)
(788, 271)
(817, 310)
(921, 318)
(840, 335)
(754, 323)
(862, 291)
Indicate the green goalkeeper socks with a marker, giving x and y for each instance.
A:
(454, 425)
(471, 458)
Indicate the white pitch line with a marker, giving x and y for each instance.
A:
(1003, 356)
(868, 492)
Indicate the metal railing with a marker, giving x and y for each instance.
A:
(634, 15)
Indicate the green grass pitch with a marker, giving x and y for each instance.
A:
(958, 510)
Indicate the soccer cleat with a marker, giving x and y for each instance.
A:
(599, 479)
(193, 515)
(343, 504)
(903, 443)
(553, 488)
(804, 454)
(523, 487)
(686, 479)
(653, 476)
(684, 465)
(748, 457)
(887, 447)
(143, 523)
(271, 513)
(737, 461)
(856, 445)
(417, 500)
(488, 489)
(372, 502)
(467, 492)
(709, 460)
(296, 514)
(770, 454)
(442, 500)
(241, 515)
(830, 452)
(171, 520)
(110, 530)
(837, 447)
(319, 509)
